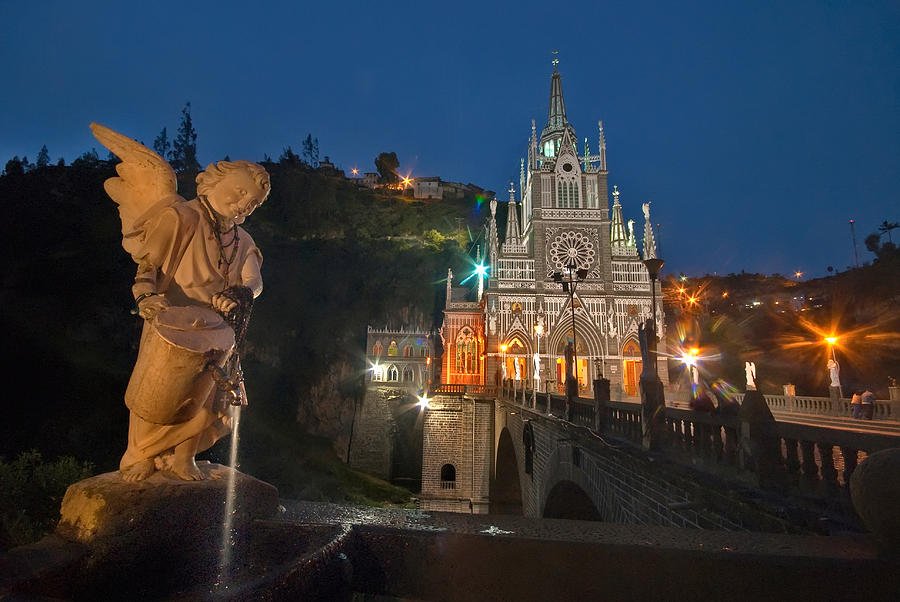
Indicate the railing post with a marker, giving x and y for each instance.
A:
(601, 398)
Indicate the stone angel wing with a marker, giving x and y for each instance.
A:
(146, 184)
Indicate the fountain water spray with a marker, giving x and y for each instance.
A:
(228, 539)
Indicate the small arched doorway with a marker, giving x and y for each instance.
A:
(506, 490)
(631, 373)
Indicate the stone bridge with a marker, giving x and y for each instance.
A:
(486, 451)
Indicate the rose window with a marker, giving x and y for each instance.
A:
(572, 246)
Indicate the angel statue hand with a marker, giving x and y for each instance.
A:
(151, 305)
(223, 304)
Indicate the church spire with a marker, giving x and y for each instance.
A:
(649, 239)
(512, 220)
(493, 238)
(602, 147)
(557, 116)
(617, 235)
(449, 286)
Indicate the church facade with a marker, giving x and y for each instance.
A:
(567, 275)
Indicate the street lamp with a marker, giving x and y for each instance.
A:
(569, 285)
(503, 366)
(538, 330)
(653, 265)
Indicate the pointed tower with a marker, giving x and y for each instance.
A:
(513, 242)
(649, 239)
(449, 286)
(618, 237)
(602, 143)
(493, 238)
(551, 135)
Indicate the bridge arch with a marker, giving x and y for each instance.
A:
(506, 488)
(568, 490)
(568, 500)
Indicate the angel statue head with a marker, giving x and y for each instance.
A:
(234, 189)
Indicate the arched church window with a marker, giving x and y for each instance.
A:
(393, 350)
(466, 351)
(423, 351)
(378, 349)
(393, 376)
(407, 351)
(378, 373)
(407, 374)
(448, 476)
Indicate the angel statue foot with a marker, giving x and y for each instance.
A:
(183, 464)
(138, 471)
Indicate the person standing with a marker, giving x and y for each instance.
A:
(856, 405)
(867, 405)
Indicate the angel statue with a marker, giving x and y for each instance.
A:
(198, 273)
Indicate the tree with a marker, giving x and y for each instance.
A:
(311, 150)
(387, 165)
(161, 144)
(14, 167)
(184, 147)
(886, 227)
(43, 158)
(289, 157)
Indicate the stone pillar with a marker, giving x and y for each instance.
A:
(653, 412)
(760, 445)
(894, 396)
(601, 397)
(835, 394)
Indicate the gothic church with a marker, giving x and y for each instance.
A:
(559, 229)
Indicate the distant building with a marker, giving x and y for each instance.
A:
(326, 167)
(428, 188)
(387, 429)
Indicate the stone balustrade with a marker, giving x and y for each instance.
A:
(807, 459)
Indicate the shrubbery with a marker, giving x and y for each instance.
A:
(31, 491)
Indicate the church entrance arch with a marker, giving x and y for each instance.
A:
(632, 367)
(587, 347)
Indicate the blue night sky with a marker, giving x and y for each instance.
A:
(757, 129)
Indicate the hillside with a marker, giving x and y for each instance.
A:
(336, 258)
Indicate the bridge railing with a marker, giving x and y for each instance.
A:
(815, 460)
(481, 390)
(884, 409)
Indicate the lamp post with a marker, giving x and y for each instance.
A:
(538, 330)
(653, 265)
(503, 367)
(569, 285)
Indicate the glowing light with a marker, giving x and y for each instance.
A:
(798, 274)
(831, 340)
(423, 401)
(480, 269)
(724, 294)
(354, 171)
(503, 347)
(539, 329)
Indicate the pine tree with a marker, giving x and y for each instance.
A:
(311, 151)
(289, 157)
(184, 147)
(43, 158)
(162, 146)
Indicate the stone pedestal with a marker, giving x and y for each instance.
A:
(166, 530)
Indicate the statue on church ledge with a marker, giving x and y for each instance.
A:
(198, 272)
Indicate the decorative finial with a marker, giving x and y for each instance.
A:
(616, 192)
(512, 193)
(555, 59)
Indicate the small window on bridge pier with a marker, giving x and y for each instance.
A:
(448, 476)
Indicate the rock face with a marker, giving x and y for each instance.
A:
(875, 491)
(161, 526)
